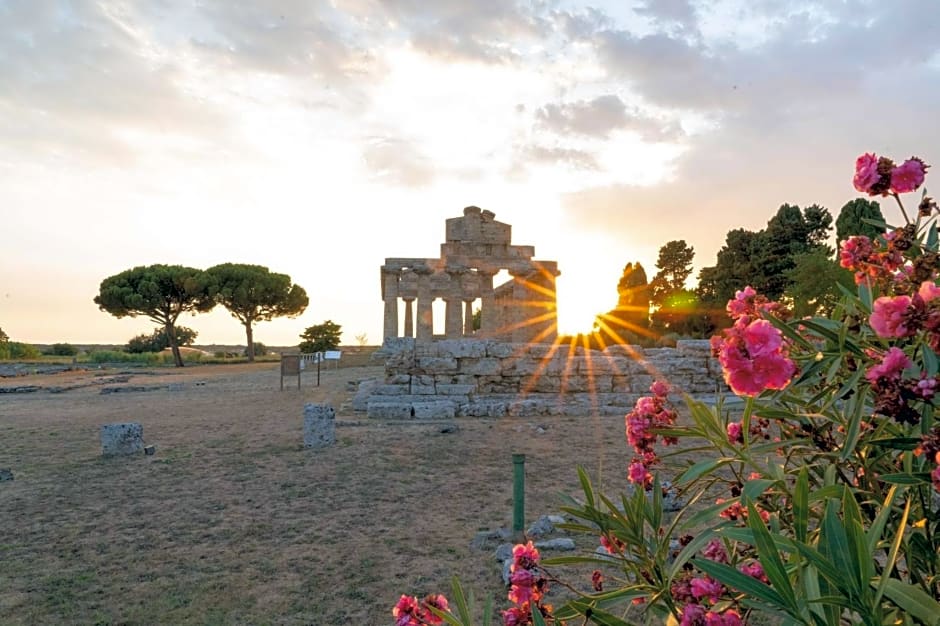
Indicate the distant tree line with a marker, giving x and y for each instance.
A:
(789, 260)
(251, 293)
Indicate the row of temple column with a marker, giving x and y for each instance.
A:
(419, 318)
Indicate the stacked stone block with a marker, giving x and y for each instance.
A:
(483, 378)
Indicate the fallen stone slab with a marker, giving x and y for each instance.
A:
(21, 389)
(5, 474)
(132, 389)
(122, 439)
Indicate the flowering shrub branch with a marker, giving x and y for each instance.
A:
(818, 500)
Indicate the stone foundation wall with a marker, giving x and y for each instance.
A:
(472, 377)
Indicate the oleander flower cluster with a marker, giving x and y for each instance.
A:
(753, 353)
(649, 414)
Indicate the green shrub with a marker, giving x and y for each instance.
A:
(116, 356)
(158, 340)
(63, 349)
(19, 350)
(260, 349)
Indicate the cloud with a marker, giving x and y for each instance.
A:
(298, 37)
(668, 12)
(398, 162)
(551, 155)
(601, 116)
(478, 31)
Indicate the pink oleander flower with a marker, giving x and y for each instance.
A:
(735, 432)
(762, 338)
(660, 389)
(638, 474)
(755, 570)
(523, 587)
(515, 617)
(715, 551)
(742, 303)
(406, 611)
(908, 176)
(892, 364)
(751, 377)
(524, 556)
(928, 290)
(935, 477)
(855, 251)
(706, 588)
(438, 602)
(612, 544)
(866, 172)
(926, 387)
(692, 615)
(888, 317)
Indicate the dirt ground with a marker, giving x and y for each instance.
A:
(232, 521)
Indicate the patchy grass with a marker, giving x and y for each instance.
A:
(233, 522)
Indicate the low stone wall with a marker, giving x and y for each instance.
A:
(472, 377)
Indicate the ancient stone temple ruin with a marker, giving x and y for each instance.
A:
(476, 249)
(515, 364)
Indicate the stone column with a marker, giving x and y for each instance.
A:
(390, 296)
(522, 311)
(487, 303)
(425, 314)
(453, 316)
(468, 318)
(409, 318)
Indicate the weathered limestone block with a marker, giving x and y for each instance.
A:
(398, 379)
(483, 408)
(319, 425)
(436, 365)
(486, 366)
(121, 439)
(640, 383)
(390, 390)
(389, 409)
(427, 349)
(360, 401)
(500, 350)
(500, 384)
(423, 385)
(435, 409)
(542, 384)
(455, 390)
(694, 347)
(525, 408)
(462, 348)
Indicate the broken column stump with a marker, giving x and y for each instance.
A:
(319, 425)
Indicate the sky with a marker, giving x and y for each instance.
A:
(318, 137)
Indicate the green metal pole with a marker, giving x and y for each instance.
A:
(518, 492)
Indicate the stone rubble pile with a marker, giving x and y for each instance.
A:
(485, 378)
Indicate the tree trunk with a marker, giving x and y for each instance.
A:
(251, 341)
(170, 330)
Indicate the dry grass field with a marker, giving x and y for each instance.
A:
(232, 521)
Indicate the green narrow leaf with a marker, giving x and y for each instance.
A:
(702, 468)
(855, 532)
(932, 237)
(730, 577)
(893, 553)
(753, 489)
(930, 361)
(854, 431)
(913, 600)
(801, 505)
(864, 294)
(836, 545)
(460, 600)
(586, 486)
(770, 558)
(878, 525)
(537, 619)
(906, 479)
